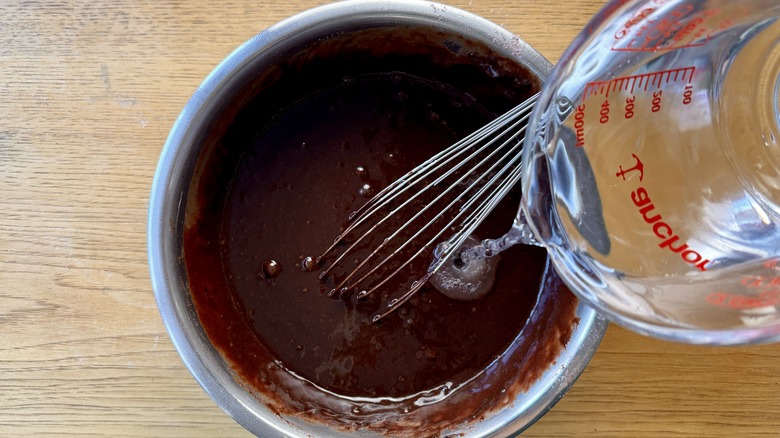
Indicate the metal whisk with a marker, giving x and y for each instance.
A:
(454, 190)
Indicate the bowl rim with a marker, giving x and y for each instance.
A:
(168, 196)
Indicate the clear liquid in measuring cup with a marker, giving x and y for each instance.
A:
(653, 168)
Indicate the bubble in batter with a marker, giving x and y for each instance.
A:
(308, 264)
(464, 281)
(271, 270)
(366, 191)
(362, 172)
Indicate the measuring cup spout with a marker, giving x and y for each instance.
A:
(520, 233)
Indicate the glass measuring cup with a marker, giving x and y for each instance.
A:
(653, 172)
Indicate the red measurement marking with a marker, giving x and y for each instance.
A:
(733, 301)
(658, 48)
(579, 125)
(653, 28)
(656, 79)
(760, 281)
(766, 286)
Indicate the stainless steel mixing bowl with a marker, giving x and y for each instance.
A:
(173, 178)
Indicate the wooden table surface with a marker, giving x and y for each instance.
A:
(88, 93)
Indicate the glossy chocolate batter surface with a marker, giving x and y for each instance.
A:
(281, 177)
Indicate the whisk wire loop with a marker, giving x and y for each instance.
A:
(471, 186)
(484, 166)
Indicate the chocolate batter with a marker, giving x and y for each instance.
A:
(309, 142)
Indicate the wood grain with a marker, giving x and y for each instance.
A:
(88, 93)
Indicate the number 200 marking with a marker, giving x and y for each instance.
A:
(656, 102)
